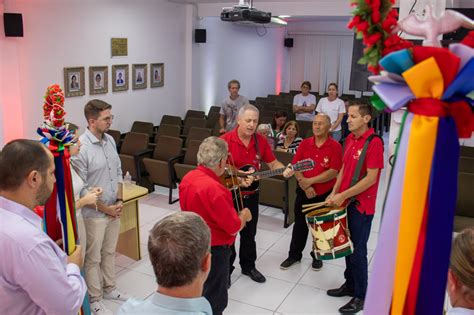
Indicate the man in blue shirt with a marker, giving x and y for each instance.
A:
(179, 248)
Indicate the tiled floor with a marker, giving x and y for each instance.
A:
(298, 290)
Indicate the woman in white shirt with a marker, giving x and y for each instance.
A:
(461, 274)
(333, 107)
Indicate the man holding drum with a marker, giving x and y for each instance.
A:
(314, 185)
(359, 194)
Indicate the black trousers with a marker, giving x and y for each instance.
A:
(356, 272)
(300, 228)
(248, 246)
(215, 287)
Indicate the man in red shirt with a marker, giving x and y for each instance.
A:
(202, 192)
(314, 185)
(360, 200)
(248, 148)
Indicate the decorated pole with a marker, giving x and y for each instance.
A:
(435, 87)
(59, 217)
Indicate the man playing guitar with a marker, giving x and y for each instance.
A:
(248, 148)
(314, 185)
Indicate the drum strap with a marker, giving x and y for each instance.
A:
(356, 176)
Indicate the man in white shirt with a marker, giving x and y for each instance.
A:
(304, 103)
(335, 108)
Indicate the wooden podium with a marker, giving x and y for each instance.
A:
(129, 238)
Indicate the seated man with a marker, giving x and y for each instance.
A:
(36, 276)
(179, 248)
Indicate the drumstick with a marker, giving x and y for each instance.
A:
(315, 205)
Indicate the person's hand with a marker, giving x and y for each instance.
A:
(288, 172)
(335, 200)
(89, 199)
(304, 182)
(97, 190)
(246, 214)
(329, 197)
(76, 257)
(114, 210)
(310, 193)
(246, 181)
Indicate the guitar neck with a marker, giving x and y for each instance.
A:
(269, 173)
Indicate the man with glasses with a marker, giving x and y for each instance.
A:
(98, 164)
(304, 103)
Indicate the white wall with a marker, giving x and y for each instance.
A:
(59, 33)
(235, 51)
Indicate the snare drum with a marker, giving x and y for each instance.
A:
(331, 237)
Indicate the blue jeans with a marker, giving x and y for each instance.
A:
(356, 272)
(336, 135)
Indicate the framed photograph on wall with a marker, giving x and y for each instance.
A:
(98, 80)
(157, 74)
(74, 81)
(139, 76)
(119, 78)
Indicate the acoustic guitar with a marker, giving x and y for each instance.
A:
(301, 166)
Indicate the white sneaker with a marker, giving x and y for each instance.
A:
(116, 295)
(98, 308)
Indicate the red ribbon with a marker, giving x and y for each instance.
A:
(460, 111)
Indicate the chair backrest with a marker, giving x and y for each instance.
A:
(196, 133)
(212, 119)
(467, 151)
(167, 147)
(191, 153)
(170, 120)
(142, 127)
(168, 130)
(466, 164)
(115, 134)
(283, 157)
(465, 199)
(303, 127)
(214, 109)
(134, 142)
(265, 119)
(194, 113)
(193, 122)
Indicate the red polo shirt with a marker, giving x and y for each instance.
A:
(243, 155)
(327, 156)
(200, 191)
(373, 159)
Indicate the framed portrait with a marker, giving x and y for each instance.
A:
(157, 74)
(98, 80)
(139, 76)
(119, 78)
(74, 81)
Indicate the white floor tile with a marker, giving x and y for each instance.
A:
(372, 243)
(266, 239)
(145, 232)
(236, 307)
(269, 296)
(329, 277)
(114, 306)
(269, 265)
(309, 300)
(142, 266)
(136, 284)
(122, 260)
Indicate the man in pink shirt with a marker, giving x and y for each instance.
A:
(36, 276)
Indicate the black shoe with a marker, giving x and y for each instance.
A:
(255, 275)
(317, 264)
(288, 263)
(355, 305)
(344, 290)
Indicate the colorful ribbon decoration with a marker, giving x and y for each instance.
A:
(411, 262)
(59, 214)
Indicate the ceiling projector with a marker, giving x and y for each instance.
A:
(245, 14)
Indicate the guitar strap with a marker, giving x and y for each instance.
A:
(258, 157)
